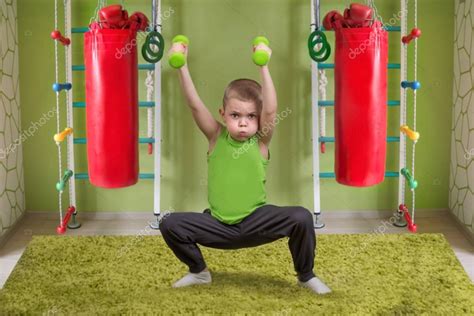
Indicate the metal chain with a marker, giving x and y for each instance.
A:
(376, 16)
(100, 5)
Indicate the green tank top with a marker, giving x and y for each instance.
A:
(236, 178)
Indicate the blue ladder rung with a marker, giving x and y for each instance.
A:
(389, 28)
(140, 67)
(144, 104)
(328, 139)
(332, 175)
(140, 140)
(326, 103)
(331, 103)
(76, 30)
(85, 176)
(331, 66)
(394, 28)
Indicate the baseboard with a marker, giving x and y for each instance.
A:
(468, 234)
(371, 214)
(103, 215)
(10, 231)
(112, 215)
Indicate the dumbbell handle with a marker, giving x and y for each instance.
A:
(57, 36)
(415, 33)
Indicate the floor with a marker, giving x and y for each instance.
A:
(137, 224)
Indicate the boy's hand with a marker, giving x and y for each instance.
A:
(178, 53)
(263, 47)
(178, 48)
(261, 51)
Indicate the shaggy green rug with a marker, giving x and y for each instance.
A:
(369, 274)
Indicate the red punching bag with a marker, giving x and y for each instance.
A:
(361, 59)
(111, 74)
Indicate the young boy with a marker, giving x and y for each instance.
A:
(238, 156)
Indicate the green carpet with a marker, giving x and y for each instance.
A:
(369, 274)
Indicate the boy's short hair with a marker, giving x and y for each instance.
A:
(244, 90)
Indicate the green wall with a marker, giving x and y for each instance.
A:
(220, 34)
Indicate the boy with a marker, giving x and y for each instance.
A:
(238, 155)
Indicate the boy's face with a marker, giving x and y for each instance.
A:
(241, 118)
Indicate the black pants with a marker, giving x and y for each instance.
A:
(183, 231)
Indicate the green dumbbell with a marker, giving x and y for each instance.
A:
(412, 183)
(260, 57)
(178, 59)
(61, 184)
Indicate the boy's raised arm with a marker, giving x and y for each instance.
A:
(269, 107)
(201, 114)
